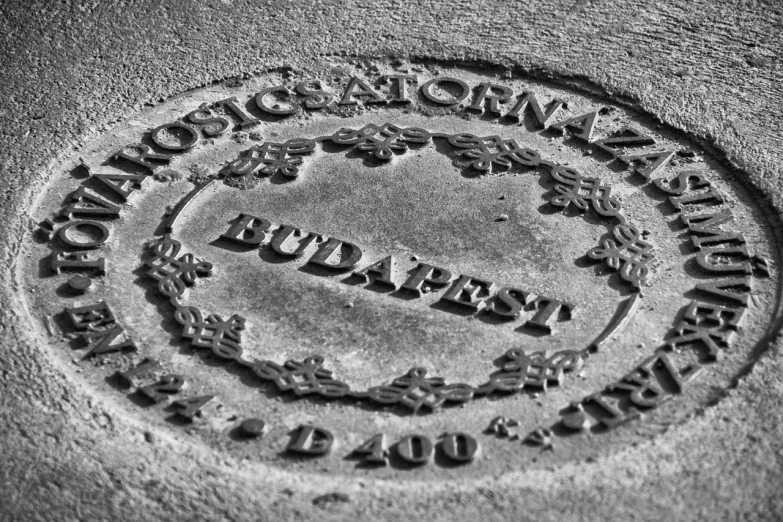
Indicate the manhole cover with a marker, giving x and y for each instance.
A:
(400, 268)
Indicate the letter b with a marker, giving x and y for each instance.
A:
(248, 230)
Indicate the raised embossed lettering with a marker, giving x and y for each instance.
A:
(647, 164)
(625, 137)
(315, 95)
(708, 327)
(374, 450)
(337, 255)
(285, 232)
(358, 88)
(142, 155)
(248, 230)
(711, 195)
(509, 302)
(719, 260)
(212, 125)
(101, 341)
(426, 274)
(191, 407)
(232, 105)
(581, 127)
(77, 261)
(529, 100)
(311, 440)
(428, 90)
(548, 312)
(88, 204)
(280, 95)
(459, 447)
(606, 411)
(399, 86)
(121, 184)
(175, 136)
(161, 390)
(709, 225)
(414, 449)
(494, 94)
(84, 239)
(382, 272)
(146, 367)
(734, 290)
(469, 291)
(646, 383)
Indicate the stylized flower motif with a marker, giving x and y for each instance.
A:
(173, 275)
(493, 151)
(288, 167)
(543, 371)
(573, 188)
(222, 337)
(629, 253)
(415, 390)
(302, 377)
(270, 158)
(382, 141)
(533, 370)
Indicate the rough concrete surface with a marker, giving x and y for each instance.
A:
(72, 69)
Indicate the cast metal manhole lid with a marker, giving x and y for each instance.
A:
(392, 268)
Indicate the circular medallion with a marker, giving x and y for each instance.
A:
(400, 268)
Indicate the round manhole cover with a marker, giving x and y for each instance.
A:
(400, 269)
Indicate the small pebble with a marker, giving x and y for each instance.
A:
(349, 305)
(502, 217)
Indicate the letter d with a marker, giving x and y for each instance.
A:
(311, 440)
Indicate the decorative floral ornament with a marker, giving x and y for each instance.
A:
(222, 337)
(301, 377)
(415, 390)
(629, 253)
(173, 275)
(270, 158)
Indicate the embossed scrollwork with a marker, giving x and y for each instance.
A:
(627, 253)
(415, 389)
(482, 154)
(532, 370)
(301, 377)
(381, 140)
(271, 158)
(485, 153)
(222, 337)
(581, 191)
(174, 275)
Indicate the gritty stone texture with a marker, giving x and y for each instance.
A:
(71, 69)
